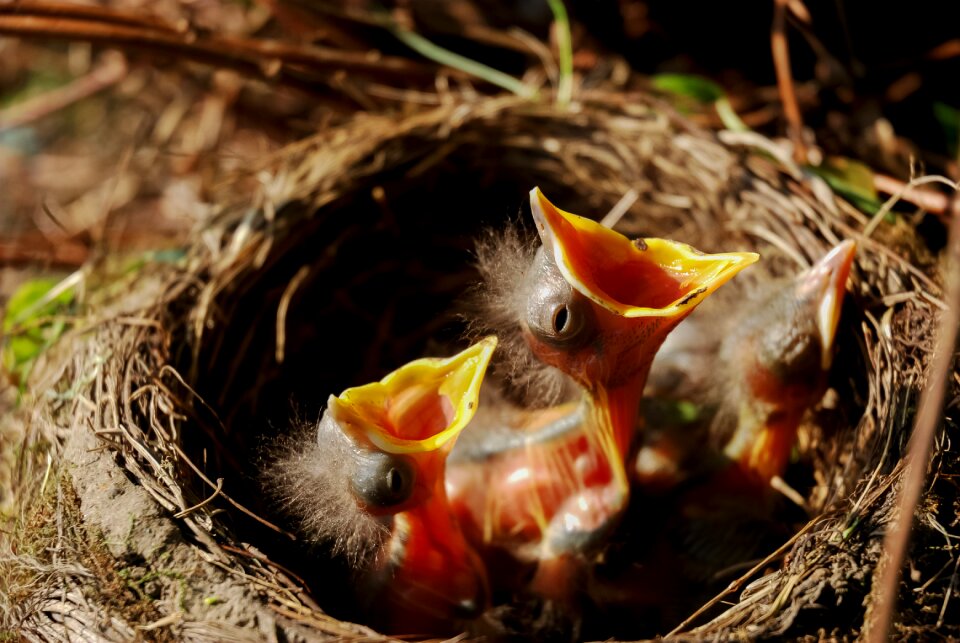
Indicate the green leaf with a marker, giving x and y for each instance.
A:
(729, 117)
(949, 119)
(36, 84)
(139, 261)
(669, 413)
(853, 181)
(443, 56)
(33, 300)
(170, 255)
(565, 50)
(28, 324)
(701, 90)
(846, 533)
(698, 88)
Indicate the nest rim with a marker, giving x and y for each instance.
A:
(149, 400)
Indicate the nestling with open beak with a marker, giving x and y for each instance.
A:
(372, 485)
(596, 306)
(770, 364)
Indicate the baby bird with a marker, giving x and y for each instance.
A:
(596, 306)
(372, 486)
(714, 506)
(770, 365)
(779, 361)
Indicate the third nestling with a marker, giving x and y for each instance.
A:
(715, 508)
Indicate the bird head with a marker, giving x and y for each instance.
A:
(404, 426)
(597, 305)
(793, 333)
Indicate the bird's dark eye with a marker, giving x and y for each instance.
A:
(564, 323)
(561, 318)
(556, 314)
(395, 480)
(383, 480)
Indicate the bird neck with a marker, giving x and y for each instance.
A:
(614, 413)
(764, 438)
(435, 572)
(618, 409)
(560, 481)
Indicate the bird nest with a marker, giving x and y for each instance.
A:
(345, 256)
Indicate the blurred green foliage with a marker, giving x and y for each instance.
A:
(949, 119)
(33, 320)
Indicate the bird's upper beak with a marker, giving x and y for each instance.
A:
(420, 407)
(642, 278)
(824, 284)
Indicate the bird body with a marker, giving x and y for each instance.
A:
(769, 364)
(779, 361)
(543, 490)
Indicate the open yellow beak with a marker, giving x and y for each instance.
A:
(642, 278)
(419, 407)
(825, 283)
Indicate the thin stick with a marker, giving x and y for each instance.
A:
(620, 208)
(780, 485)
(737, 584)
(781, 62)
(81, 12)
(887, 576)
(30, 248)
(190, 510)
(271, 60)
(136, 38)
(263, 559)
(282, 311)
(104, 75)
(189, 463)
(893, 200)
(935, 202)
(62, 16)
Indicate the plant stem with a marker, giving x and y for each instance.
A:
(565, 50)
(446, 57)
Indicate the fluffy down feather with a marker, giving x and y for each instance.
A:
(503, 257)
(307, 474)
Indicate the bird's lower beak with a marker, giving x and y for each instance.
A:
(421, 407)
(642, 278)
(825, 285)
